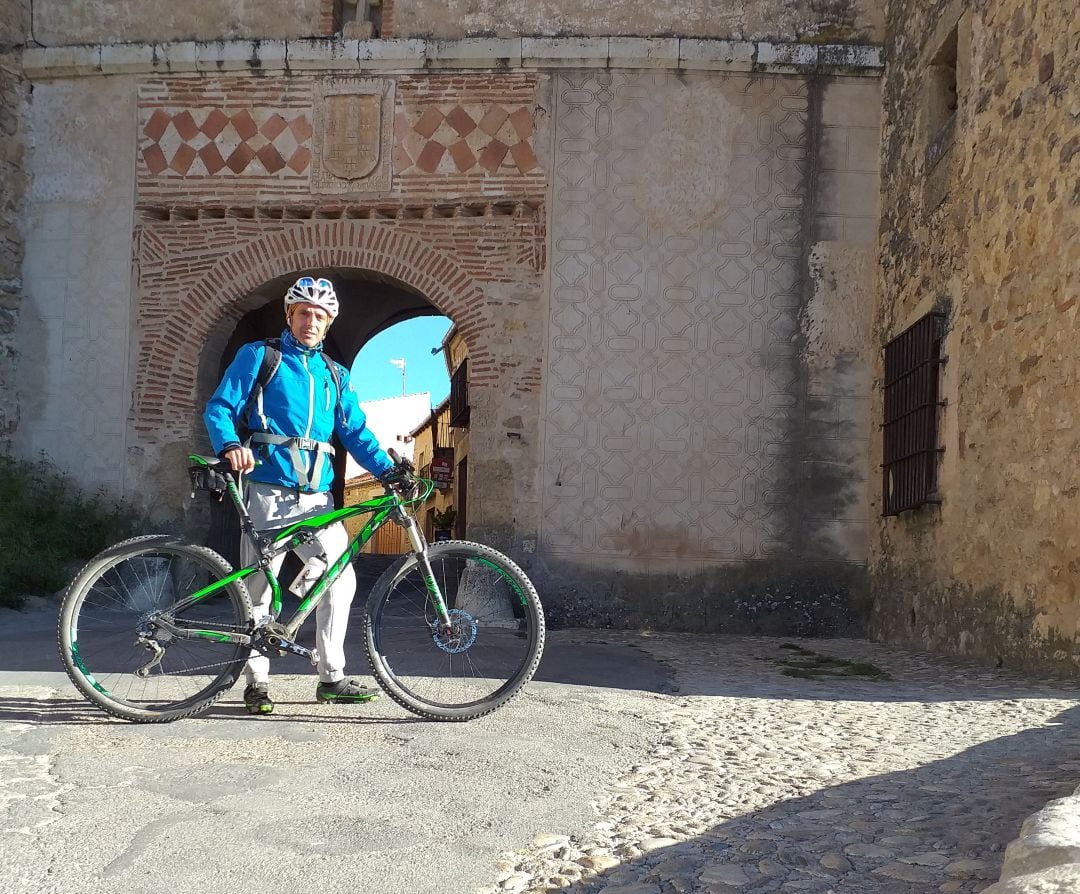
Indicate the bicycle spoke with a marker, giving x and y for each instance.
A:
(131, 666)
(486, 654)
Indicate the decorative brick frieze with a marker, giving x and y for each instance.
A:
(468, 134)
(205, 142)
(204, 138)
(242, 141)
(532, 210)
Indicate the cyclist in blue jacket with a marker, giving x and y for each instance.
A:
(288, 462)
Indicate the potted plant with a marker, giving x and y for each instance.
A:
(444, 523)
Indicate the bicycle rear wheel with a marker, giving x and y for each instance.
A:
(109, 644)
(491, 652)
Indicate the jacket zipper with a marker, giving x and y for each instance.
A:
(311, 396)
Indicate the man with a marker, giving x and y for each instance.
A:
(290, 471)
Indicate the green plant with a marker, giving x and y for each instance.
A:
(809, 665)
(47, 526)
(445, 519)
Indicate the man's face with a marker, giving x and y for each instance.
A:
(308, 324)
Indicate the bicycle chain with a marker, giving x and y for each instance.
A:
(199, 667)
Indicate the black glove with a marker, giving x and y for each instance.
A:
(399, 478)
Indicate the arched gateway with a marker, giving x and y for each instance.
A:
(204, 315)
(196, 279)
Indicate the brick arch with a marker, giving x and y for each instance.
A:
(166, 395)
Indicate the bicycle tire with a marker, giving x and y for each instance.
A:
(493, 652)
(111, 596)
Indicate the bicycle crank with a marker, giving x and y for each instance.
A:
(271, 641)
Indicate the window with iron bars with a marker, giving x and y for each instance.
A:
(913, 363)
(459, 396)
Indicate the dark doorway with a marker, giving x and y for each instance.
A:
(370, 303)
(462, 492)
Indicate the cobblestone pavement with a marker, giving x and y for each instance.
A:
(760, 782)
(637, 764)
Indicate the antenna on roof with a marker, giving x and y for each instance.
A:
(399, 362)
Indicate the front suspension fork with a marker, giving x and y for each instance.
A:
(419, 545)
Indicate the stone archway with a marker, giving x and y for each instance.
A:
(171, 379)
(196, 279)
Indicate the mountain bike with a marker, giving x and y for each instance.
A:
(158, 628)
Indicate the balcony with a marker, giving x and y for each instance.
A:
(459, 396)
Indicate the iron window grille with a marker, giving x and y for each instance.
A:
(913, 363)
(459, 396)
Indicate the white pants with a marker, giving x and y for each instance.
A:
(276, 507)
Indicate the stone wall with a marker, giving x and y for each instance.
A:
(14, 91)
(61, 22)
(669, 414)
(981, 220)
(808, 20)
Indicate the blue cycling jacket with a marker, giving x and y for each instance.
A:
(300, 401)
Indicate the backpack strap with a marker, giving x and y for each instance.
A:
(270, 362)
(295, 445)
(335, 374)
(254, 407)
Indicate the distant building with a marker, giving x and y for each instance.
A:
(391, 419)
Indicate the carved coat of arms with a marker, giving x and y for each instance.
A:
(352, 138)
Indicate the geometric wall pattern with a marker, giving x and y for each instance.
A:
(459, 138)
(226, 140)
(75, 325)
(211, 141)
(676, 288)
(240, 142)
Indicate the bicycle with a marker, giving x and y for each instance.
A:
(158, 628)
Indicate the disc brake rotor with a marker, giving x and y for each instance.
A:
(459, 636)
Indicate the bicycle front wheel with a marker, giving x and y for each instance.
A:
(491, 651)
(123, 660)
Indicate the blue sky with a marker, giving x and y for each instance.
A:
(375, 377)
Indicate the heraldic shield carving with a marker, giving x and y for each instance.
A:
(354, 128)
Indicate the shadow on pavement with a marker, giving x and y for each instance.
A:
(734, 666)
(74, 711)
(941, 826)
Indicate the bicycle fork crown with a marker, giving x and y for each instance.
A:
(459, 635)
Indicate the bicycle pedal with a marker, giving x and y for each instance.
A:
(314, 657)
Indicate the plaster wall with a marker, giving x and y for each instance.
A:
(61, 22)
(668, 393)
(989, 234)
(75, 321)
(705, 427)
(14, 93)
(831, 20)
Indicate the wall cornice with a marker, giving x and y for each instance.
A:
(274, 56)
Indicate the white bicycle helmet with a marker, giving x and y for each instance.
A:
(309, 290)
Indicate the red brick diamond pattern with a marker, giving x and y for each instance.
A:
(446, 139)
(212, 142)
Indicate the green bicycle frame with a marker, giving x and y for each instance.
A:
(390, 506)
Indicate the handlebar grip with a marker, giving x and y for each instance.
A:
(393, 454)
